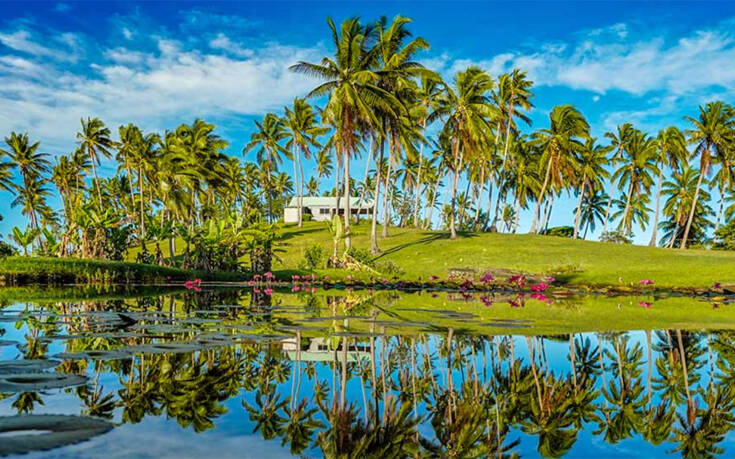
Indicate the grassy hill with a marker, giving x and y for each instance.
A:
(425, 253)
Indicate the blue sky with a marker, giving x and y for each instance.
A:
(161, 64)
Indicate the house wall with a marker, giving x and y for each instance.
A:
(291, 215)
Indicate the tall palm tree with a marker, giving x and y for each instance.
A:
(559, 143)
(713, 135)
(467, 109)
(268, 137)
(94, 138)
(593, 210)
(680, 190)
(352, 87)
(427, 96)
(302, 131)
(590, 164)
(619, 141)
(671, 153)
(637, 165)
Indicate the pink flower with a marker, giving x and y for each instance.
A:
(644, 304)
(251, 283)
(717, 285)
(269, 275)
(326, 277)
(257, 277)
(540, 287)
(197, 289)
(486, 301)
(296, 277)
(295, 288)
(268, 291)
(313, 290)
(432, 277)
(549, 279)
(646, 282)
(519, 280)
(313, 277)
(487, 278)
(256, 290)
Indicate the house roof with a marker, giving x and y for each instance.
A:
(330, 201)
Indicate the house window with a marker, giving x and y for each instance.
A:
(323, 211)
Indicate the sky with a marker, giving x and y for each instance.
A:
(160, 64)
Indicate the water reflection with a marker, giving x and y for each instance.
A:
(345, 374)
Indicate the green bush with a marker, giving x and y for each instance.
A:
(362, 256)
(389, 268)
(313, 257)
(7, 250)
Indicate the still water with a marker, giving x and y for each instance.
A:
(232, 373)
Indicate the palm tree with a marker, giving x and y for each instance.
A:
(672, 153)
(427, 96)
(680, 190)
(619, 141)
(302, 131)
(637, 164)
(32, 166)
(590, 164)
(270, 132)
(713, 136)
(593, 210)
(94, 139)
(467, 109)
(559, 144)
(354, 93)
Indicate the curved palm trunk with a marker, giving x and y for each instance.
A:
(578, 217)
(364, 182)
(430, 210)
(516, 217)
(654, 235)
(92, 157)
(295, 154)
(537, 212)
(693, 209)
(625, 224)
(480, 188)
(301, 190)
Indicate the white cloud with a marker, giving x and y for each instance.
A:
(158, 88)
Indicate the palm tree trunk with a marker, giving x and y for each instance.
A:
(92, 157)
(607, 209)
(294, 155)
(480, 187)
(654, 235)
(693, 209)
(141, 233)
(722, 207)
(364, 182)
(347, 201)
(536, 213)
(625, 224)
(418, 180)
(579, 206)
(516, 217)
(374, 249)
(301, 192)
(452, 230)
(388, 188)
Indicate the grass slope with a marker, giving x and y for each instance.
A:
(24, 270)
(425, 253)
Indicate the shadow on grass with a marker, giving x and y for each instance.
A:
(424, 240)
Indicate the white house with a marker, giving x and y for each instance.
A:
(323, 208)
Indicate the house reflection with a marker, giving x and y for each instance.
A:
(325, 350)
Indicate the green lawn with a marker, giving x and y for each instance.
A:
(426, 253)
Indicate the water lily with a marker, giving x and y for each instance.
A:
(519, 280)
(295, 288)
(646, 282)
(486, 301)
(487, 278)
(432, 277)
(540, 287)
(550, 279)
(256, 290)
(269, 275)
(644, 304)
(268, 291)
(251, 282)
(257, 277)
(717, 285)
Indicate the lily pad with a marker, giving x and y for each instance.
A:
(25, 366)
(112, 354)
(31, 382)
(58, 430)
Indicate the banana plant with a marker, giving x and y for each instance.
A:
(24, 238)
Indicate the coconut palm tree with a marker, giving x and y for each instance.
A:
(94, 139)
(636, 166)
(270, 132)
(713, 136)
(559, 144)
(680, 190)
(619, 141)
(352, 87)
(671, 153)
(466, 108)
(593, 210)
(590, 164)
(302, 131)
(427, 95)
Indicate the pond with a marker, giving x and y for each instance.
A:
(226, 372)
